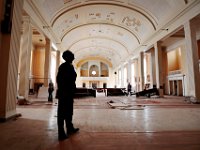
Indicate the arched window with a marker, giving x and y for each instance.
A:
(94, 71)
(84, 70)
(104, 70)
(125, 76)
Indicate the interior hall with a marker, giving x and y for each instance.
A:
(152, 45)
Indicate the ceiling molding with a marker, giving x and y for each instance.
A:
(110, 49)
(132, 33)
(89, 38)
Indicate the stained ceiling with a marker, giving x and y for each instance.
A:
(110, 30)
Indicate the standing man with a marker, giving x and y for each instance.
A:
(129, 88)
(66, 79)
(50, 90)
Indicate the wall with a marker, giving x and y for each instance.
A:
(84, 73)
(173, 60)
(110, 80)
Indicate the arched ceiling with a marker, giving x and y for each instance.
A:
(108, 29)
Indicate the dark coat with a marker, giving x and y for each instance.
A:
(66, 79)
(129, 87)
(51, 87)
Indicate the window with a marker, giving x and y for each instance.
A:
(125, 77)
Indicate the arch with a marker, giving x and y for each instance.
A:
(94, 71)
(132, 33)
(149, 17)
(81, 62)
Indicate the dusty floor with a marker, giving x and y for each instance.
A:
(168, 123)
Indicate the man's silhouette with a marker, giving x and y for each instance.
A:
(66, 78)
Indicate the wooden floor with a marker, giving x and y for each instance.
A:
(107, 123)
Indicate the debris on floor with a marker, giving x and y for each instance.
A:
(123, 106)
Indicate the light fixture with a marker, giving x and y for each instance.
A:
(44, 27)
(165, 29)
(93, 72)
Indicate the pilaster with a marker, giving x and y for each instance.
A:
(136, 74)
(9, 56)
(141, 70)
(153, 69)
(159, 67)
(47, 63)
(57, 60)
(192, 77)
(25, 57)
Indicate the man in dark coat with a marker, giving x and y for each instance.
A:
(50, 91)
(66, 78)
(129, 88)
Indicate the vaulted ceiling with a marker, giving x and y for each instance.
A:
(110, 30)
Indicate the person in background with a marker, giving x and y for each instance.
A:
(129, 88)
(66, 79)
(50, 91)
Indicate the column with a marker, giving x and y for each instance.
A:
(47, 64)
(174, 89)
(25, 58)
(136, 74)
(57, 60)
(57, 64)
(31, 82)
(9, 56)
(169, 88)
(192, 77)
(115, 76)
(153, 70)
(141, 71)
(159, 69)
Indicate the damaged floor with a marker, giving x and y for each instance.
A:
(107, 123)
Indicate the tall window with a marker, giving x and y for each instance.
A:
(104, 70)
(120, 78)
(125, 77)
(84, 70)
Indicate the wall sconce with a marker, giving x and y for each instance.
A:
(44, 27)
(165, 29)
